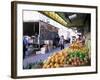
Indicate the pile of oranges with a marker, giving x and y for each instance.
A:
(56, 60)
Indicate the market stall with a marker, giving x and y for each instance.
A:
(75, 55)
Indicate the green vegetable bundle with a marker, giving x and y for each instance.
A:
(77, 58)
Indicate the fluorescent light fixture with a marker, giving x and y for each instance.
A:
(73, 16)
(55, 17)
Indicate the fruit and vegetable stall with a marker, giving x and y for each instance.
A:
(75, 55)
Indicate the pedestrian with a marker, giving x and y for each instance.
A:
(56, 41)
(25, 44)
(81, 40)
(61, 42)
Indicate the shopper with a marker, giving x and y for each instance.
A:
(56, 41)
(30, 41)
(81, 39)
(25, 44)
(61, 42)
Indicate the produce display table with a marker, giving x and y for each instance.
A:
(75, 55)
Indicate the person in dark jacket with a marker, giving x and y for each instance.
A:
(56, 41)
(61, 42)
(25, 44)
